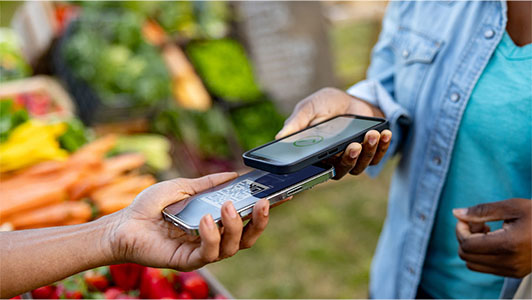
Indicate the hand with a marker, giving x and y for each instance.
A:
(141, 235)
(506, 251)
(327, 103)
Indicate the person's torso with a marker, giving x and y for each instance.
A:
(441, 49)
(491, 161)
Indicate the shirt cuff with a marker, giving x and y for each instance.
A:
(374, 93)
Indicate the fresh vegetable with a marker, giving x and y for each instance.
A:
(129, 281)
(30, 143)
(107, 50)
(256, 124)
(126, 276)
(225, 69)
(96, 279)
(114, 293)
(205, 131)
(154, 285)
(74, 136)
(52, 215)
(45, 292)
(154, 147)
(86, 172)
(194, 284)
(10, 117)
(12, 63)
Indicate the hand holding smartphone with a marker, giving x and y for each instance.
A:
(244, 192)
(285, 167)
(312, 144)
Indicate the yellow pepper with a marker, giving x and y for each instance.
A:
(30, 143)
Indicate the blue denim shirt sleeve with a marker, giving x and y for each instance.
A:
(377, 89)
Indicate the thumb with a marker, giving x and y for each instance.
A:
(487, 212)
(168, 192)
(299, 119)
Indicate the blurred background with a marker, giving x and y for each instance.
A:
(169, 89)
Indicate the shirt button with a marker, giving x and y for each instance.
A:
(422, 217)
(437, 160)
(411, 270)
(489, 33)
(455, 97)
(405, 53)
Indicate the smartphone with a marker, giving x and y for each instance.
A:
(244, 191)
(312, 144)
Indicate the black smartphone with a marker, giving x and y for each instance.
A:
(244, 191)
(312, 144)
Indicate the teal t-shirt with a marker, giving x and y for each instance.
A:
(491, 161)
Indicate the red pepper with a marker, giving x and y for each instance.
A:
(45, 292)
(96, 280)
(113, 293)
(184, 295)
(154, 285)
(193, 283)
(73, 295)
(126, 276)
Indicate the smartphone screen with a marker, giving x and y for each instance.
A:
(292, 148)
(243, 191)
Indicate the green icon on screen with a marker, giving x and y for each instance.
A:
(308, 141)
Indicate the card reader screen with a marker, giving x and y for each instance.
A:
(312, 140)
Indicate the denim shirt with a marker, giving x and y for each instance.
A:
(423, 68)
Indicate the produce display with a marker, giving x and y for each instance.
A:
(205, 131)
(12, 64)
(48, 193)
(225, 69)
(124, 59)
(154, 147)
(256, 124)
(129, 281)
(107, 50)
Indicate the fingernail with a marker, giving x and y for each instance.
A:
(460, 211)
(385, 138)
(210, 222)
(266, 210)
(353, 153)
(372, 140)
(230, 208)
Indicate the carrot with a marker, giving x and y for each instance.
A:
(98, 177)
(30, 198)
(115, 203)
(95, 151)
(125, 185)
(35, 192)
(57, 214)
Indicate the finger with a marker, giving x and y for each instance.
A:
(384, 144)
(488, 269)
(232, 230)
(210, 240)
(299, 119)
(487, 212)
(200, 184)
(346, 161)
(369, 146)
(478, 227)
(256, 226)
(484, 243)
(496, 260)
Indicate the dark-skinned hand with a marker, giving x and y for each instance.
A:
(506, 251)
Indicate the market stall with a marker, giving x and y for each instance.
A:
(120, 96)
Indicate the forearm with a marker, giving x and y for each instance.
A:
(33, 258)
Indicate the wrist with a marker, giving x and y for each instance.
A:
(111, 239)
